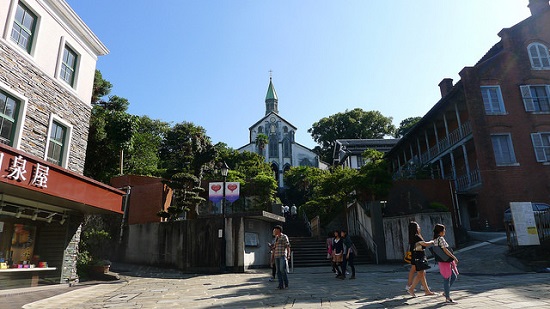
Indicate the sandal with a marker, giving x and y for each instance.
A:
(429, 293)
(411, 292)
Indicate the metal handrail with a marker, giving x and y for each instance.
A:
(368, 238)
(306, 220)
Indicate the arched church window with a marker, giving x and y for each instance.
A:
(285, 129)
(286, 168)
(273, 147)
(260, 130)
(286, 148)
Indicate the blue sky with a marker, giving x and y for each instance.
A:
(208, 62)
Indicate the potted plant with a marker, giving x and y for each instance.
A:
(94, 247)
(100, 266)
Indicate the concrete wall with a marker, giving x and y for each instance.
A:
(258, 256)
(397, 234)
(188, 245)
(194, 245)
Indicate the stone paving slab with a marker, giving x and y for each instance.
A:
(487, 280)
(309, 288)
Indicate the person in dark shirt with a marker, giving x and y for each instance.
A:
(338, 254)
(419, 262)
(349, 254)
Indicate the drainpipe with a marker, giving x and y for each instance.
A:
(125, 211)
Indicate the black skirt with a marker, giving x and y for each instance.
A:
(419, 260)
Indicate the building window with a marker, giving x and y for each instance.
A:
(273, 147)
(503, 149)
(56, 144)
(541, 144)
(286, 148)
(9, 109)
(538, 54)
(492, 100)
(68, 66)
(23, 27)
(360, 161)
(535, 98)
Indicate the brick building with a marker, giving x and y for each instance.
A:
(47, 66)
(490, 132)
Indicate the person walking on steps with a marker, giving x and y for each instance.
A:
(349, 254)
(281, 254)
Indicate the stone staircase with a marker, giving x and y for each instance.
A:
(295, 228)
(311, 251)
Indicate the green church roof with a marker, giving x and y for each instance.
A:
(271, 94)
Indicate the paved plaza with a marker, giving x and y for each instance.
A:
(488, 279)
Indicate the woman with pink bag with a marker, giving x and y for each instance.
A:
(330, 238)
(448, 270)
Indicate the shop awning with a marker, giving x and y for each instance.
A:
(27, 183)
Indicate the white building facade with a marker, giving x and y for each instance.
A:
(279, 149)
(47, 66)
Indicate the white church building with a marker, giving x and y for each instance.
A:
(276, 143)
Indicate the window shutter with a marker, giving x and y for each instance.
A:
(527, 99)
(539, 149)
(543, 51)
(486, 99)
(534, 55)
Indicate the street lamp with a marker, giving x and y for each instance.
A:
(224, 170)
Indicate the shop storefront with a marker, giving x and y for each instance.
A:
(41, 208)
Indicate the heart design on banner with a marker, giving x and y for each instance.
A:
(232, 187)
(216, 188)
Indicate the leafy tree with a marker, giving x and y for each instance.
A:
(250, 170)
(374, 180)
(300, 182)
(332, 194)
(101, 88)
(405, 125)
(261, 141)
(356, 123)
(185, 154)
(110, 133)
(326, 193)
(143, 157)
(116, 136)
(263, 187)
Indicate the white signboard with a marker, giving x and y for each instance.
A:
(524, 223)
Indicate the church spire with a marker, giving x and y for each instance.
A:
(271, 100)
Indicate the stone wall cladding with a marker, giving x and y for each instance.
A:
(70, 256)
(46, 96)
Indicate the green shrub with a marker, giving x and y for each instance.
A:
(438, 206)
